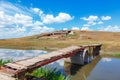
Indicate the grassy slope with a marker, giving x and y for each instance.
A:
(110, 41)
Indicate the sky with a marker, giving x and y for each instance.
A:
(19, 18)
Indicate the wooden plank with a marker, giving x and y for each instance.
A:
(30, 62)
(92, 45)
(15, 66)
(6, 76)
(69, 49)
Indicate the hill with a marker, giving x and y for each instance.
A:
(56, 40)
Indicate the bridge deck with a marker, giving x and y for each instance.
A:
(26, 65)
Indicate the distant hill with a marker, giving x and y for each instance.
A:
(61, 39)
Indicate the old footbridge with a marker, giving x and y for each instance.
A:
(74, 54)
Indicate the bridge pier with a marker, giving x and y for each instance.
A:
(84, 56)
(78, 58)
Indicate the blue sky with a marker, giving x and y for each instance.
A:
(20, 18)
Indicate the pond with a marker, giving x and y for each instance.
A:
(101, 68)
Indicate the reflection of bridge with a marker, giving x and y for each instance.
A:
(80, 72)
(73, 54)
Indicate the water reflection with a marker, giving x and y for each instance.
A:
(106, 69)
(79, 72)
(59, 65)
(106, 59)
(19, 54)
(101, 68)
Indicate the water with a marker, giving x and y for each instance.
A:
(106, 69)
(19, 54)
(101, 68)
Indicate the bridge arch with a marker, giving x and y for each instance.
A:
(86, 56)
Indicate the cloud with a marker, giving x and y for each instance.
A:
(38, 11)
(85, 28)
(11, 9)
(75, 28)
(90, 18)
(112, 28)
(62, 17)
(50, 18)
(91, 23)
(100, 22)
(18, 25)
(65, 28)
(93, 20)
(106, 18)
(22, 19)
(18, 21)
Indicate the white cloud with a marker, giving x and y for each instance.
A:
(90, 18)
(112, 28)
(75, 28)
(23, 20)
(93, 20)
(65, 28)
(91, 23)
(62, 17)
(19, 21)
(106, 18)
(100, 22)
(37, 11)
(85, 28)
(11, 9)
(86, 25)
(50, 18)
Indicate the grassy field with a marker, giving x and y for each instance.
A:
(110, 41)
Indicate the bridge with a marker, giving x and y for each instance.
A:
(73, 54)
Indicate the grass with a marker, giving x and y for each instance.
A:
(116, 54)
(110, 41)
(49, 74)
(2, 62)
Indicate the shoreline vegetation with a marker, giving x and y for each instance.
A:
(110, 41)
